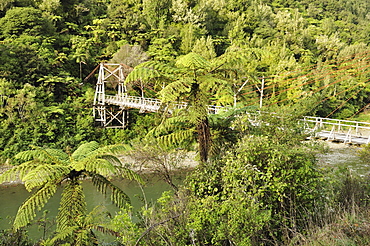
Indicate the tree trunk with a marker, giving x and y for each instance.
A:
(204, 139)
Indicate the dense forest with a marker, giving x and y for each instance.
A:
(303, 57)
(49, 47)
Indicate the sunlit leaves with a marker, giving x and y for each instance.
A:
(43, 174)
(117, 196)
(27, 212)
(193, 61)
(84, 150)
(43, 170)
(72, 206)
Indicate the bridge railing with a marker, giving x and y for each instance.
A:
(335, 129)
(151, 104)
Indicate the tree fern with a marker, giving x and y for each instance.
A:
(212, 85)
(117, 196)
(72, 206)
(18, 172)
(36, 201)
(142, 73)
(176, 138)
(43, 155)
(112, 149)
(100, 219)
(193, 61)
(45, 169)
(61, 236)
(84, 150)
(177, 122)
(81, 234)
(173, 91)
(42, 174)
(97, 165)
(162, 68)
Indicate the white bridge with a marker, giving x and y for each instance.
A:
(345, 131)
(151, 104)
(112, 110)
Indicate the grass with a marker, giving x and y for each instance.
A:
(343, 222)
(346, 229)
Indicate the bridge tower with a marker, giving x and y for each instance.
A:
(111, 78)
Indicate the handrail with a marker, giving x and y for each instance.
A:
(323, 120)
(331, 129)
(150, 104)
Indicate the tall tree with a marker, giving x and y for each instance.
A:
(44, 170)
(196, 81)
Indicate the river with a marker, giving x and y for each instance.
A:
(12, 196)
(344, 156)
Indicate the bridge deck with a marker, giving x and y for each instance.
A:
(353, 132)
(151, 104)
(350, 132)
(342, 137)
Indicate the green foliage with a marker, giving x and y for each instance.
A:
(20, 237)
(265, 177)
(123, 222)
(43, 170)
(311, 54)
(26, 21)
(192, 79)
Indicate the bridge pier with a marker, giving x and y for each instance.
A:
(111, 77)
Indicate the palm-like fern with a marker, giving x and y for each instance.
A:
(195, 80)
(43, 170)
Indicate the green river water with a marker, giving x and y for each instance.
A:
(12, 196)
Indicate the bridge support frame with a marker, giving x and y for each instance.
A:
(109, 115)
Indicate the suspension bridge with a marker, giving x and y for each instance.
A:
(111, 110)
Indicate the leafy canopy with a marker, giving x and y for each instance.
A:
(43, 170)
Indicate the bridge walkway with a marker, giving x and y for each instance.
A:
(109, 109)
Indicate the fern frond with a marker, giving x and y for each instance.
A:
(163, 68)
(27, 212)
(100, 219)
(72, 206)
(114, 160)
(117, 196)
(97, 165)
(61, 236)
(18, 172)
(108, 153)
(169, 125)
(212, 84)
(231, 58)
(43, 174)
(112, 149)
(129, 174)
(173, 91)
(176, 138)
(193, 61)
(84, 150)
(106, 229)
(56, 156)
(142, 73)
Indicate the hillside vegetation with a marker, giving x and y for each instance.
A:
(308, 52)
(256, 183)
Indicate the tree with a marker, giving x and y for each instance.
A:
(265, 187)
(196, 81)
(25, 20)
(43, 170)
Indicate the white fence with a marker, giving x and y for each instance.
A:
(150, 104)
(345, 131)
